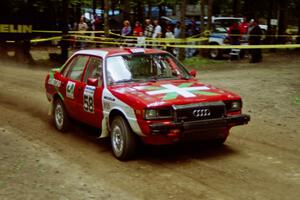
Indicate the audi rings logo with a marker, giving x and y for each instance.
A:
(201, 112)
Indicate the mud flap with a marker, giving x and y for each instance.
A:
(50, 110)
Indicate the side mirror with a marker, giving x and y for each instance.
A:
(92, 82)
(193, 73)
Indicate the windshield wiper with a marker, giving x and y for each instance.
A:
(185, 77)
(156, 77)
(125, 81)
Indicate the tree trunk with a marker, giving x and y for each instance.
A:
(298, 38)
(203, 25)
(94, 6)
(140, 11)
(106, 23)
(235, 7)
(209, 14)
(181, 55)
(65, 28)
(282, 21)
(3, 49)
(126, 10)
(149, 14)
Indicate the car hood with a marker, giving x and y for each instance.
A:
(167, 93)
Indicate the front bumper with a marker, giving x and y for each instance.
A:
(200, 125)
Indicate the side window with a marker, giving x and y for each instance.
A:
(75, 69)
(94, 70)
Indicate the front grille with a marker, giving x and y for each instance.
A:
(200, 111)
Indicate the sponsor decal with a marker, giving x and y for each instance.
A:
(12, 28)
(106, 105)
(54, 82)
(88, 99)
(171, 91)
(70, 89)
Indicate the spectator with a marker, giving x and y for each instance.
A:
(234, 34)
(254, 39)
(177, 30)
(157, 30)
(126, 30)
(169, 34)
(82, 26)
(97, 26)
(189, 52)
(244, 26)
(244, 29)
(97, 23)
(148, 29)
(138, 30)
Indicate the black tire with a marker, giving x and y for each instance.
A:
(123, 140)
(215, 53)
(60, 116)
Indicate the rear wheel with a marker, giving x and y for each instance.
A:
(123, 140)
(215, 53)
(60, 117)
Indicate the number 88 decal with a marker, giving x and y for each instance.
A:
(88, 99)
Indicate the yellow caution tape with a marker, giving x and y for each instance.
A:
(277, 46)
(163, 40)
(265, 46)
(162, 43)
(45, 39)
(44, 31)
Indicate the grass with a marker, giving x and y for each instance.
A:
(297, 101)
(198, 62)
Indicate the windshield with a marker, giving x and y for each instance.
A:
(218, 28)
(227, 22)
(144, 67)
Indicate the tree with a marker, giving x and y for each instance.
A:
(65, 28)
(182, 31)
(106, 25)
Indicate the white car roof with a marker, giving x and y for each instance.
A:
(94, 52)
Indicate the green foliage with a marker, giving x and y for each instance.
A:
(297, 101)
(200, 62)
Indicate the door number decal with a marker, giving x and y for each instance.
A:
(70, 89)
(88, 99)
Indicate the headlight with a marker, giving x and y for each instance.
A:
(236, 105)
(233, 105)
(157, 114)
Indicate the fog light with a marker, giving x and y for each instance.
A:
(174, 133)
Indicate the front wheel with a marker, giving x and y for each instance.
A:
(123, 140)
(61, 118)
(219, 141)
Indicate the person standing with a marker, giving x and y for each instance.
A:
(244, 29)
(126, 30)
(177, 30)
(138, 30)
(148, 28)
(82, 26)
(234, 34)
(157, 33)
(255, 39)
(157, 30)
(169, 35)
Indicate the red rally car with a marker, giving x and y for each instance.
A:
(134, 95)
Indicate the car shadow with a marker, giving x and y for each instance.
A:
(181, 152)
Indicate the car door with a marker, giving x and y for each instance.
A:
(91, 95)
(73, 85)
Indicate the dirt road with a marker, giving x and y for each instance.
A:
(258, 161)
